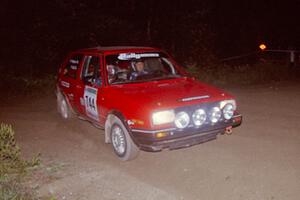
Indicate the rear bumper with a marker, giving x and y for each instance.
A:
(175, 138)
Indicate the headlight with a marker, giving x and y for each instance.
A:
(182, 120)
(163, 117)
(228, 111)
(215, 114)
(199, 117)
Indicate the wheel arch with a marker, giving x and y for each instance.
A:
(108, 124)
(60, 94)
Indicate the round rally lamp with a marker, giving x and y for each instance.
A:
(215, 114)
(199, 117)
(182, 120)
(228, 111)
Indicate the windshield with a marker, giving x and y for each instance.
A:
(139, 67)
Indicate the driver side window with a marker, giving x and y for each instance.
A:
(91, 73)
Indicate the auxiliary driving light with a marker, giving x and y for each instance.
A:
(215, 114)
(228, 111)
(199, 117)
(182, 120)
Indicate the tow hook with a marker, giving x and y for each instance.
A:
(228, 130)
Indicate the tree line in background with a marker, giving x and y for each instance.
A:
(36, 35)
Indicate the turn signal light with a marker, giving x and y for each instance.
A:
(161, 134)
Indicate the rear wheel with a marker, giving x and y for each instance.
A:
(63, 107)
(121, 141)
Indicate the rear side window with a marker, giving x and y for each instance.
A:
(72, 66)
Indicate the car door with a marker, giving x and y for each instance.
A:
(89, 87)
(69, 76)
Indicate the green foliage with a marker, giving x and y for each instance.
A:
(26, 85)
(10, 154)
(9, 151)
(264, 72)
(13, 190)
(13, 169)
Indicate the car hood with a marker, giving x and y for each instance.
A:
(164, 94)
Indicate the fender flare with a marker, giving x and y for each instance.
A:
(108, 124)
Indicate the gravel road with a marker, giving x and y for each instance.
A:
(260, 160)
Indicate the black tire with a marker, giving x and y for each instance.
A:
(122, 143)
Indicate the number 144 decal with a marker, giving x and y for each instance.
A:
(90, 101)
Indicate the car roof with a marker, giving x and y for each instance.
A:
(113, 49)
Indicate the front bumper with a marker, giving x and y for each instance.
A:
(176, 138)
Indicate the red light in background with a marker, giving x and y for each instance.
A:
(262, 46)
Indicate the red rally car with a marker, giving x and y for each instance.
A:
(142, 99)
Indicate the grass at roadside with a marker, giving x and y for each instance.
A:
(15, 171)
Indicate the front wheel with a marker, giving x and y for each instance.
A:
(121, 141)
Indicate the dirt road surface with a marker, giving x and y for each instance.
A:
(260, 160)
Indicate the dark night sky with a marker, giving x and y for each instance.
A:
(274, 22)
(49, 29)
